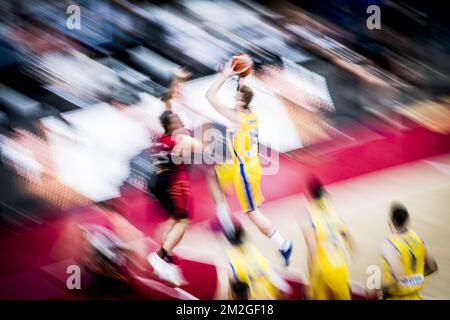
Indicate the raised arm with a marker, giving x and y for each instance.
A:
(180, 76)
(213, 91)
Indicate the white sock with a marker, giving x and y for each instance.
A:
(224, 217)
(280, 242)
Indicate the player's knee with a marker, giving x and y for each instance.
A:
(249, 212)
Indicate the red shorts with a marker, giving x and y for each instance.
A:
(181, 195)
(174, 193)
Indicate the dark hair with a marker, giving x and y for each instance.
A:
(236, 237)
(399, 215)
(164, 119)
(240, 290)
(247, 94)
(315, 188)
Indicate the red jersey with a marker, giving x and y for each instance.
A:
(177, 187)
(162, 152)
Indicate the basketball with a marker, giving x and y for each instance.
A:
(242, 64)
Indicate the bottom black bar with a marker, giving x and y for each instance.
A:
(125, 309)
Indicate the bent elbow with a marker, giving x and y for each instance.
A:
(208, 96)
(435, 267)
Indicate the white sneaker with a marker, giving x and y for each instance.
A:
(178, 275)
(166, 271)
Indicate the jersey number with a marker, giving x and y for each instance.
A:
(253, 138)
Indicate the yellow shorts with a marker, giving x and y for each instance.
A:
(329, 283)
(246, 180)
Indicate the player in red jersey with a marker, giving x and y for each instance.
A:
(171, 187)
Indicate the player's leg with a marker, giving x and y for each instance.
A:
(180, 194)
(317, 289)
(217, 179)
(162, 261)
(160, 190)
(342, 292)
(263, 223)
(333, 281)
(248, 191)
(339, 285)
(173, 238)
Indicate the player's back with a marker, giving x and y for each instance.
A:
(244, 139)
(329, 273)
(330, 234)
(250, 267)
(411, 255)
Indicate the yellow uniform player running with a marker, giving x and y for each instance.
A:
(405, 259)
(244, 171)
(329, 246)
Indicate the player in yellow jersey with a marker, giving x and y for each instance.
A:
(244, 170)
(251, 276)
(405, 259)
(329, 246)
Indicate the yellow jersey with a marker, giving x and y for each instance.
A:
(330, 234)
(411, 252)
(244, 139)
(249, 266)
(244, 170)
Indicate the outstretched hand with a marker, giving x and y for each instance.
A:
(183, 73)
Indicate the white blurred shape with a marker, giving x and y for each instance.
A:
(23, 159)
(96, 162)
(276, 129)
